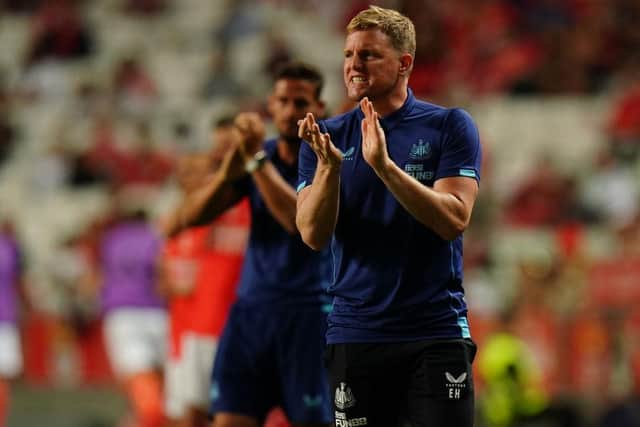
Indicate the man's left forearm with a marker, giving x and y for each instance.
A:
(445, 210)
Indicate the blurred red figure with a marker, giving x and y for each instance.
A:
(180, 264)
(540, 199)
(58, 32)
(624, 124)
(202, 267)
(131, 79)
(134, 89)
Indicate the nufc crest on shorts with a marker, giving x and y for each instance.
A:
(344, 397)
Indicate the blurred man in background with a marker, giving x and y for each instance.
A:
(11, 289)
(180, 265)
(135, 318)
(270, 353)
(202, 267)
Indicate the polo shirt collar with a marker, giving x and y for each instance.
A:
(390, 121)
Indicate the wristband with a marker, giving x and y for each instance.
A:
(256, 162)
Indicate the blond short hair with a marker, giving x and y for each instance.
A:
(395, 25)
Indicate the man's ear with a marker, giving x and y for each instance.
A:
(406, 63)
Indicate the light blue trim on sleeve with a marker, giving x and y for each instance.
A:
(468, 172)
(464, 327)
(301, 186)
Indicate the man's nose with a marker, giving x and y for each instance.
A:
(355, 62)
(290, 112)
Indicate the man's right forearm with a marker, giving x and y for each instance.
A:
(317, 208)
(205, 204)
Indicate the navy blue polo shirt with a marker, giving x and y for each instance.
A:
(278, 269)
(394, 279)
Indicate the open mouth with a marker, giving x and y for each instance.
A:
(359, 79)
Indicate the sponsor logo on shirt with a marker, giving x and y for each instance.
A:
(417, 171)
(342, 421)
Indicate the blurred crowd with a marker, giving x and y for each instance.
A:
(98, 98)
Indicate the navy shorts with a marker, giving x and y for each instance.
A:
(269, 358)
(420, 384)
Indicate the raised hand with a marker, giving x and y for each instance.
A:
(374, 142)
(320, 143)
(250, 130)
(232, 166)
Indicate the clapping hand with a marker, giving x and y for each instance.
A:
(374, 143)
(251, 132)
(232, 167)
(320, 143)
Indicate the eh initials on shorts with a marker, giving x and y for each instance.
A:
(455, 385)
